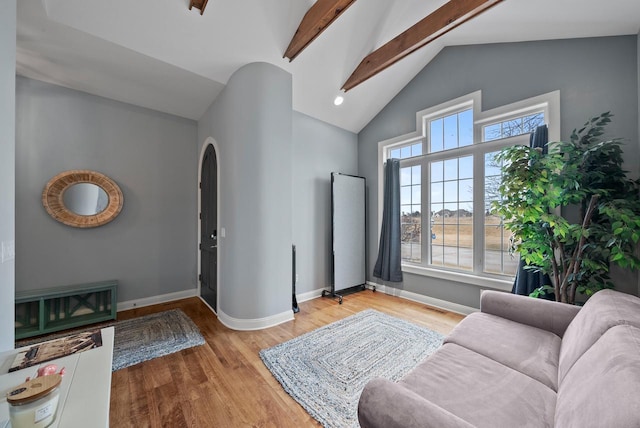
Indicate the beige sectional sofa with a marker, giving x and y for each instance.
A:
(523, 362)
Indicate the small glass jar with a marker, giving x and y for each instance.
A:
(34, 404)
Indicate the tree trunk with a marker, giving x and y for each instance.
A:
(586, 222)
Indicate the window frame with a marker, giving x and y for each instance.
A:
(548, 103)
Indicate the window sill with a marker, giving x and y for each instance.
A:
(481, 281)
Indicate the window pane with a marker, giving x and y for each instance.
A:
(496, 248)
(416, 149)
(405, 195)
(496, 238)
(450, 191)
(416, 252)
(491, 165)
(451, 169)
(465, 190)
(465, 229)
(411, 225)
(465, 128)
(511, 128)
(450, 237)
(492, 132)
(466, 167)
(450, 213)
(411, 221)
(395, 153)
(415, 194)
(465, 247)
(436, 212)
(416, 174)
(436, 135)
(405, 152)
(437, 171)
(452, 222)
(450, 256)
(468, 207)
(531, 122)
(437, 249)
(451, 132)
(405, 176)
(437, 192)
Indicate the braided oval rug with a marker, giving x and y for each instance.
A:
(326, 370)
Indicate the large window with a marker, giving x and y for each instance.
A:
(449, 177)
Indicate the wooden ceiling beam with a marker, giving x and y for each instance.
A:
(315, 21)
(198, 4)
(434, 25)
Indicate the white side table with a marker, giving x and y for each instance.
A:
(85, 390)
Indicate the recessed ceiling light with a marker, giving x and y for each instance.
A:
(338, 100)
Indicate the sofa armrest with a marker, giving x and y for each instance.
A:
(385, 404)
(544, 314)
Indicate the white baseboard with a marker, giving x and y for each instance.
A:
(309, 295)
(154, 300)
(420, 298)
(256, 323)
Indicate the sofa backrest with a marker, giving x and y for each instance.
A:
(604, 310)
(601, 389)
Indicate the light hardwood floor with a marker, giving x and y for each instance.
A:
(224, 382)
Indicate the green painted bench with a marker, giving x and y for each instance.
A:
(53, 309)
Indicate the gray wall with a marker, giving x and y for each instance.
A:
(7, 167)
(150, 246)
(593, 75)
(251, 121)
(318, 150)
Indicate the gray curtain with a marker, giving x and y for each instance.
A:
(388, 265)
(527, 281)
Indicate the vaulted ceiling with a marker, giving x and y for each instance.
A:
(162, 55)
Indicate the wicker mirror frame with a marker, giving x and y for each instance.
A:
(53, 193)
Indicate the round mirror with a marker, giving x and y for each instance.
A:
(82, 198)
(85, 198)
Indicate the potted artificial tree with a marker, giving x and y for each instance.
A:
(572, 211)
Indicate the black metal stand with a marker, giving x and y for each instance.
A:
(294, 300)
(331, 293)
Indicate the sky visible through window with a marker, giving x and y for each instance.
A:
(450, 187)
(512, 127)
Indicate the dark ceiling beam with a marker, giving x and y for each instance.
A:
(443, 20)
(315, 21)
(198, 4)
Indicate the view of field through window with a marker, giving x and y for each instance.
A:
(450, 205)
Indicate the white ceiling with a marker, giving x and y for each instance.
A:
(160, 55)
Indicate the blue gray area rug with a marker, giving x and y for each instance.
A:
(141, 339)
(326, 370)
(152, 336)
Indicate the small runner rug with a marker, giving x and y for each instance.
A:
(139, 339)
(152, 336)
(326, 370)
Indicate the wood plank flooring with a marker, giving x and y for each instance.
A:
(224, 382)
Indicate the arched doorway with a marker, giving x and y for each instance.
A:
(209, 228)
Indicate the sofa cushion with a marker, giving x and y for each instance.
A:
(481, 391)
(603, 310)
(386, 404)
(601, 389)
(527, 349)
